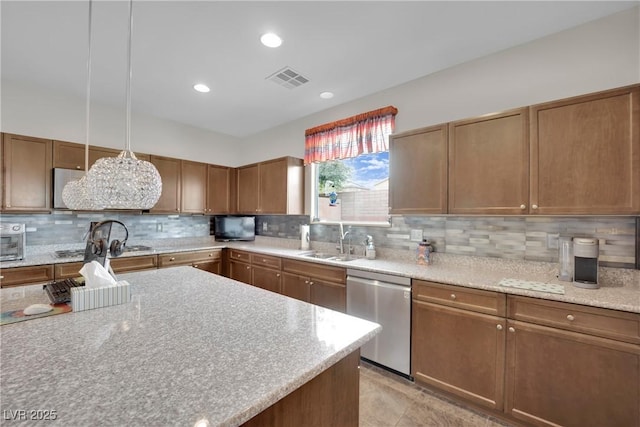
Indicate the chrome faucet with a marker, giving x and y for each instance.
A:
(343, 235)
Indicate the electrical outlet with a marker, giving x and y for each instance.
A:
(265, 226)
(416, 235)
(552, 241)
(159, 227)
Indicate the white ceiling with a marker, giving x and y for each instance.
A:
(350, 48)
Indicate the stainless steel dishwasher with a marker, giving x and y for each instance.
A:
(386, 300)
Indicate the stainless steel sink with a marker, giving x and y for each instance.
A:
(330, 257)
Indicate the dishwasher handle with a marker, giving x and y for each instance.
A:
(371, 282)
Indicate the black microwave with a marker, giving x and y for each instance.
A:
(234, 228)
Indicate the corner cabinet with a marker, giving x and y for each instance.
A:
(220, 180)
(418, 171)
(271, 187)
(489, 164)
(585, 154)
(170, 171)
(26, 169)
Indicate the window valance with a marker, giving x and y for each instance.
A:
(360, 134)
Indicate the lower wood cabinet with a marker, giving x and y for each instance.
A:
(265, 272)
(558, 376)
(18, 276)
(318, 284)
(119, 265)
(208, 260)
(540, 362)
(459, 350)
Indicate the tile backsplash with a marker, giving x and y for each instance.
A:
(519, 237)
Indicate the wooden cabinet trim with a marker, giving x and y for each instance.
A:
(32, 274)
(325, 272)
(266, 261)
(188, 258)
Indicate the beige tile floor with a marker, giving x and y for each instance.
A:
(390, 400)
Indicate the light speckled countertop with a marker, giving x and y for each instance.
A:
(190, 346)
(619, 288)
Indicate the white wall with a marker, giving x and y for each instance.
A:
(33, 111)
(596, 56)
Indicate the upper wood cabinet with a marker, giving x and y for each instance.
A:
(219, 184)
(489, 164)
(194, 187)
(585, 154)
(169, 169)
(70, 155)
(27, 173)
(271, 187)
(418, 171)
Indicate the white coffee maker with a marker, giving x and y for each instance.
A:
(585, 263)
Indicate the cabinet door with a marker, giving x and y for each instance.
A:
(248, 189)
(27, 173)
(565, 378)
(459, 351)
(68, 155)
(218, 186)
(329, 295)
(418, 171)
(26, 275)
(585, 154)
(240, 271)
(489, 164)
(296, 286)
(266, 278)
(96, 153)
(169, 169)
(214, 267)
(194, 187)
(273, 187)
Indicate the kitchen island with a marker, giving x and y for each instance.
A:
(191, 349)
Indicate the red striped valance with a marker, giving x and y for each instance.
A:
(363, 133)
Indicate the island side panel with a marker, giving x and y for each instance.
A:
(330, 399)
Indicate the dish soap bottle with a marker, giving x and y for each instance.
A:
(423, 254)
(369, 249)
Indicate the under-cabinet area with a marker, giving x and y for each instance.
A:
(540, 362)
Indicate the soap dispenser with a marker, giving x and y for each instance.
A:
(369, 248)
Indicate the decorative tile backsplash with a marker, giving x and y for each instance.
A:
(520, 237)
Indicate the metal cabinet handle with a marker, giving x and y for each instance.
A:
(195, 265)
(172, 259)
(311, 283)
(210, 255)
(499, 327)
(534, 206)
(277, 274)
(570, 317)
(523, 206)
(511, 329)
(239, 255)
(248, 267)
(78, 167)
(264, 260)
(453, 296)
(306, 281)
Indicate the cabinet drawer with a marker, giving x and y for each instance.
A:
(239, 255)
(26, 275)
(325, 272)
(187, 258)
(601, 322)
(457, 296)
(134, 263)
(266, 261)
(67, 270)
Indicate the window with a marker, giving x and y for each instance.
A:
(352, 190)
(349, 162)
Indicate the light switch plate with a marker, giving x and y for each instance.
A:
(416, 235)
(552, 240)
(265, 226)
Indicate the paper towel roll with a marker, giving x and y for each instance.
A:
(304, 236)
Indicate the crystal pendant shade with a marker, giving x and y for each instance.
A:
(76, 196)
(124, 182)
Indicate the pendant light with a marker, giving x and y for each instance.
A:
(75, 194)
(124, 182)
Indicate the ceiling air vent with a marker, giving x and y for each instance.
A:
(288, 78)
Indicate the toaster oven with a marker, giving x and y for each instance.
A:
(13, 241)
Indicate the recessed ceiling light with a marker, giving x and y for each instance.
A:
(326, 95)
(201, 88)
(271, 40)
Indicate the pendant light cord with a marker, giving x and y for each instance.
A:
(88, 106)
(127, 144)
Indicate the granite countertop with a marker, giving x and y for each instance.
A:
(619, 288)
(190, 346)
